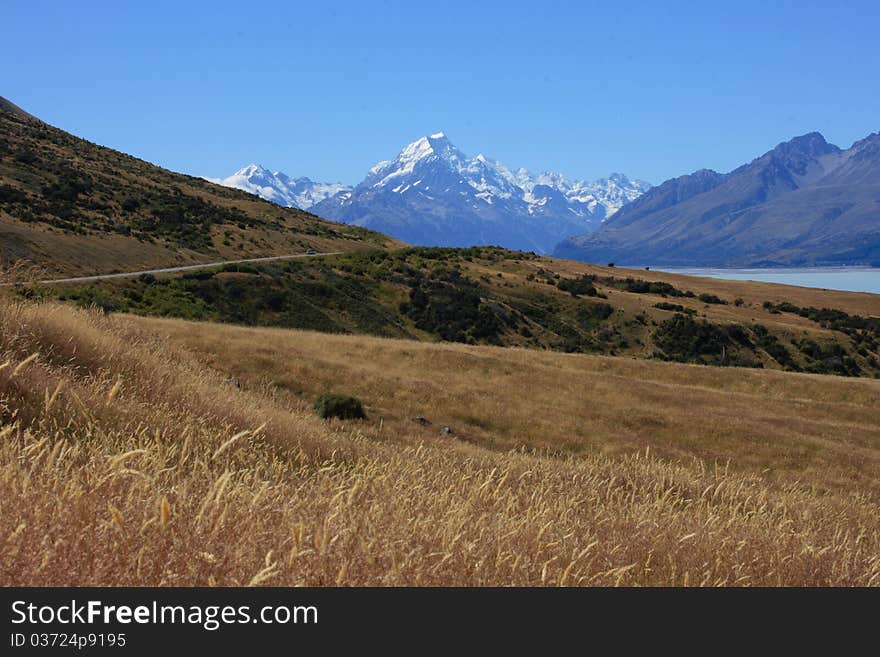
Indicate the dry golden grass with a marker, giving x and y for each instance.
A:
(125, 461)
(820, 429)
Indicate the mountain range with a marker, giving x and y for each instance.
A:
(804, 203)
(280, 188)
(433, 194)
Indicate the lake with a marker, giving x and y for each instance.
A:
(851, 279)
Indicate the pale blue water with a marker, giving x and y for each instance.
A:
(851, 279)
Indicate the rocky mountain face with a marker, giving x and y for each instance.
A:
(804, 203)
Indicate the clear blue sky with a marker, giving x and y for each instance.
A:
(326, 89)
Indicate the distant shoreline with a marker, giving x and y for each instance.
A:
(818, 268)
(843, 278)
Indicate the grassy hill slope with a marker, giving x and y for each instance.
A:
(73, 207)
(486, 295)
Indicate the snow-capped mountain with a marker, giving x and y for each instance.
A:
(280, 188)
(433, 194)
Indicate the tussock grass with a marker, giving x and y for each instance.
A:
(788, 427)
(123, 461)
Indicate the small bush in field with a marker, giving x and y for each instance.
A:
(340, 406)
(712, 298)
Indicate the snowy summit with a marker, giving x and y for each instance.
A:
(280, 188)
(433, 194)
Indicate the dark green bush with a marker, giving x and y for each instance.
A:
(449, 305)
(638, 286)
(340, 406)
(684, 339)
(830, 318)
(590, 314)
(711, 298)
(674, 307)
(828, 359)
(9, 194)
(770, 343)
(582, 286)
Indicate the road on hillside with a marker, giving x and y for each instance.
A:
(172, 270)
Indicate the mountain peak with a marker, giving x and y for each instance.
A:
(814, 136)
(252, 169)
(436, 143)
(811, 144)
(872, 140)
(433, 193)
(280, 188)
(803, 203)
(429, 148)
(425, 146)
(418, 149)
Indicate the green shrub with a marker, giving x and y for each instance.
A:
(674, 307)
(449, 305)
(340, 406)
(578, 286)
(590, 314)
(770, 343)
(684, 339)
(638, 286)
(828, 359)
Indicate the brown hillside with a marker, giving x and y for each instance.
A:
(73, 207)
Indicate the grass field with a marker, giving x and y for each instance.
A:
(784, 426)
(142, 451)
